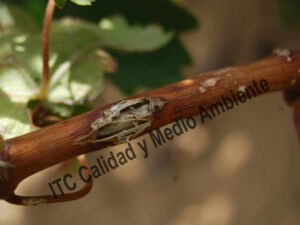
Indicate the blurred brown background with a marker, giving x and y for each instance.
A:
(241, 168)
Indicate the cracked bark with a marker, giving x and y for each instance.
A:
(127, 119)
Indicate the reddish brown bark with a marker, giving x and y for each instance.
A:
(46, 147)
(46, 39)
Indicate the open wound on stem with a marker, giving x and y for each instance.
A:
(124, 121)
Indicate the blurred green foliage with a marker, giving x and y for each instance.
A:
(78, 61)
(60, 3)
(152, 69)
(289, 12)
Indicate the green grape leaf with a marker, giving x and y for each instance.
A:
(153, 69)
(74, 81)
(116, 33)
(70, 37)
(78, 64)
(289, 12)
(15, 90)
(12, 16)
(60, 3)
(35, 8)
(178, 19)
(79, 79)
(83, 2)
(16, 85)
(150, 70)
(164, 12)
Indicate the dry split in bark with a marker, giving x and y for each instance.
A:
(127, 119)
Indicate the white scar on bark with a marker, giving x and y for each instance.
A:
(124, 121)
(283, 52)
